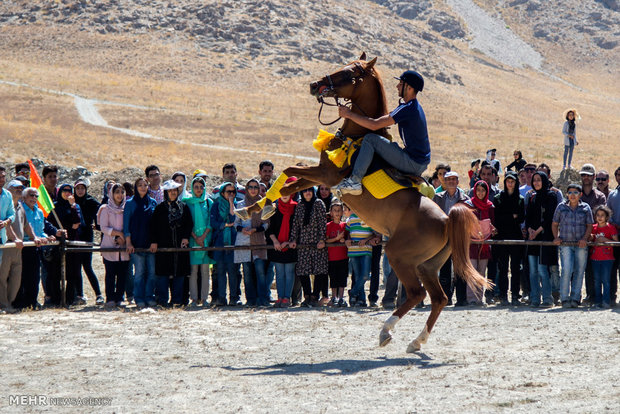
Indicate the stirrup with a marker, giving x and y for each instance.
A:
(268, 211)
(242, 213)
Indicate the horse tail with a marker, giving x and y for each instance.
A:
(461, 223)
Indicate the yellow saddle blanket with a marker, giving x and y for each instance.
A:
(378, 183)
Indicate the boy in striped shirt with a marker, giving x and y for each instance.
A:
(359, 244)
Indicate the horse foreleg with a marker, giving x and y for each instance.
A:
(325, 173)
(295, 186)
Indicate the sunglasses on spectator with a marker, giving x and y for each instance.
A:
(67, 190)
(573, 193)
(230, 191)
(307, 189)
(33, 195)
(601, 179)
(253, 187)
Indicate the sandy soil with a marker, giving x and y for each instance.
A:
(241, 360)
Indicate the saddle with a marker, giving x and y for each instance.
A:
(381, 178)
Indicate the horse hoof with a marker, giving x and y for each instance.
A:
(268, 211)
(414, 347)
(242, 213)
(384, 338)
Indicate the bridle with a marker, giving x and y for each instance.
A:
(350, 77)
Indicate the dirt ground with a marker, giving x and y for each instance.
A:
(245, 360)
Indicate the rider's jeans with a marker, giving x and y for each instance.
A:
(390, 151)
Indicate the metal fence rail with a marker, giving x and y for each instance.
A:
(70, 246)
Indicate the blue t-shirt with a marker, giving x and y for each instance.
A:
(412, 129)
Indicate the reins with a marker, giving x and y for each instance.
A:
(354, 80)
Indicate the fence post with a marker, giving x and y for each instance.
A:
(63, 271)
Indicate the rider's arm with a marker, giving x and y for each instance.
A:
(371, 123)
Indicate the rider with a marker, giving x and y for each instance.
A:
(409, 116)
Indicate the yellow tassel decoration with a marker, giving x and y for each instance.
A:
(322, 140)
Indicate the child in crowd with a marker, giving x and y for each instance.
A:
(360, 255)
(602, 256)
(338, 260)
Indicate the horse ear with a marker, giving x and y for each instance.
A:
(363, 57)
(370, 64)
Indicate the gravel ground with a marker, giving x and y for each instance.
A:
(243, 360)
(494, 38)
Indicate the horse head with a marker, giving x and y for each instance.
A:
(345, 82)
(358, 83)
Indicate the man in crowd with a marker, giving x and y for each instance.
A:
(7, 211)
(594, 198)
(441, 169)
(602, 182)
(265, 172)
(488, 174)
(572, 222)
(153, 176)
(23, 170)
(446, 200)
(613, 202)
(229, 175)
(11, 266)
(50, 180)
(32, 262)
(529, 169)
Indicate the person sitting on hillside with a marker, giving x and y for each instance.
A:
(518, 163)
(415, 157)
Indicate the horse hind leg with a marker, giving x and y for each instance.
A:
(415, 293)
(429, 275)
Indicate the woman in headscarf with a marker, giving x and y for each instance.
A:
(309, 227)
(509, 214)
(251, 232)
(171, 226)
(518, 163)
(89, 206)
(110, 219)
(284, 259)
(200, 207)
(136, 227)
(107, 185)
(570, 135)
(538, 219)
(70, 216)
(326, 196)
(479, 254)
(225, 234)
(181, 178)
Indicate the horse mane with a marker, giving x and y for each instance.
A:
(377, 76)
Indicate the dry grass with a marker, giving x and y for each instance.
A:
(498, 108)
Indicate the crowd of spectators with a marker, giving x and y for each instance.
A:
(141, 218)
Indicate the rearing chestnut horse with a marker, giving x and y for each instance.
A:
(421, 235)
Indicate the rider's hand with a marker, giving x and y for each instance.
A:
(344, 112)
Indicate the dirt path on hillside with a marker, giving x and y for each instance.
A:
(240, 360)
(493, 37)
